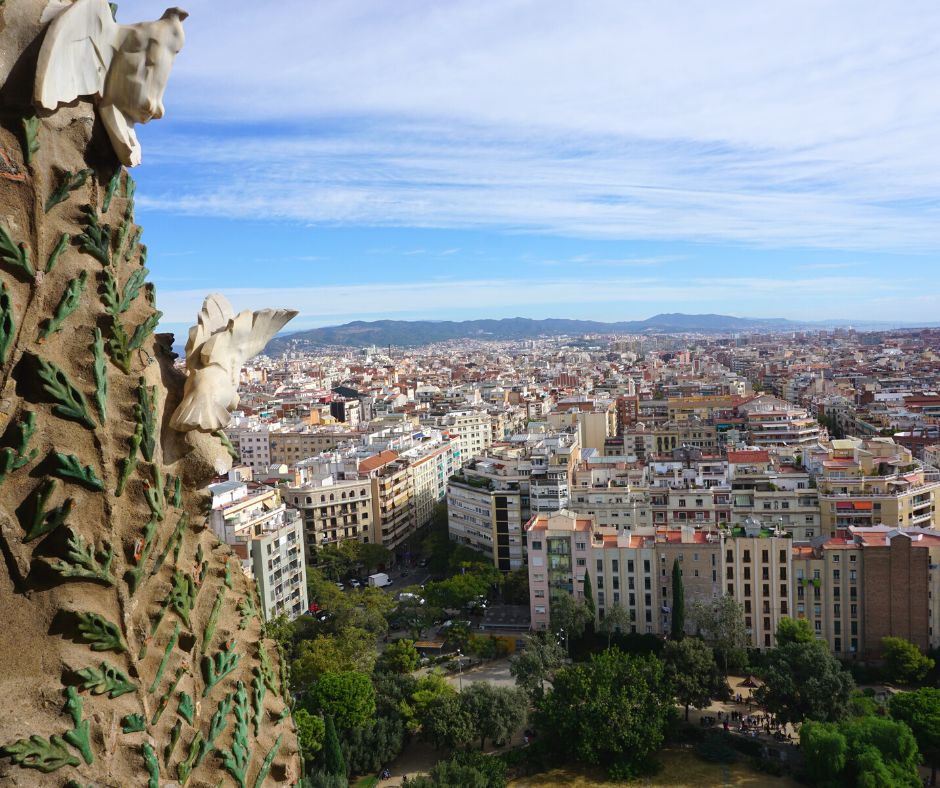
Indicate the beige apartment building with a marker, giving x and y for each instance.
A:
(634, 570)
(333, 511)
(871, 482)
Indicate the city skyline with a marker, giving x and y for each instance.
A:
(513, 159)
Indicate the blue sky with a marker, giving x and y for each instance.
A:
(607, 160)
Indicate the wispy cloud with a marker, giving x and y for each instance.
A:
(806, 124)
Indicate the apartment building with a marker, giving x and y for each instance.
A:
(486, 514)
(634, 570)
(333, 510)
(268, 538)
(873, 482)
(471, 430)
(770, 421)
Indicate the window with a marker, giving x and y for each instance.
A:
(835, 558)
(765, 556)
(783, 573)
(615, 565)
(600, 565)
(582, 562)
(540, 594)
(783, 556)
(537, 545)
(835, 575)
(630, 567)
(747, 556)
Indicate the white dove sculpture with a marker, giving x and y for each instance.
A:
(126, 67)
(218, 346)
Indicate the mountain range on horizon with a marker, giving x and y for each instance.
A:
(411, 333)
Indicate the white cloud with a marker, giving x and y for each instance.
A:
(808, 123)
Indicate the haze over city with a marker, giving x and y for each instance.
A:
(496, 159)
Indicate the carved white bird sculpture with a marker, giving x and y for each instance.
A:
(126, 67)
(218, 345)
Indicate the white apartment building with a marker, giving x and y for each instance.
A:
(268, 538)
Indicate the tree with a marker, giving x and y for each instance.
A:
(496, 712)
(466, 769)
(616, 619)
(903, 661)
(400, 657)
(869, 752)
(534, 663)
(350, 649)
(794, 630)
(446, 722)
(516, 587)
(803, 681)
(414, 616)
(824, 750)
(347, 698)
(678, 607)
(611, 710)
(369, 747)
(427, 690)
(695, 676)
(372, 556)
(458, 591)
(920, 710)
(311, 731)
(589, 595)
(332, 753)
(281, 630)
(569, 618)
(720, 623)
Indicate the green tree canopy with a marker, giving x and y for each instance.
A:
(311, 731)
(400, 657)
(333, 761)
(803, 681)
(446, 722)
(695, 676)
(347, 697)
(611, 710)
(720, 623)
(903, 661)
(496, 712)
(535, 663)
(516, 586)
(372, 556)
(569, 617)
(920, 711)
(616, 619)
(350, 649)
(824, 751)
(794, 630)
(870, 752)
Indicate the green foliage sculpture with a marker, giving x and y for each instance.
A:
(103, 531)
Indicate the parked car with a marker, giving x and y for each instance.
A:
(404, 573)
(355, 583)
(423, 562)
(406, 596)
(340, 586)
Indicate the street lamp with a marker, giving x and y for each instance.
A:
(459, 670)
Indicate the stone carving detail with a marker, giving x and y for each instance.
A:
(86, 53)
(218, 345)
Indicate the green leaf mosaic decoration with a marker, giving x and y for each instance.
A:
(57, 252)
(14, 254)
(80, 735)
(101, 376)
(44, 521)
(68, 303)
(44, 755)
(100, 633)
(12, 458)
(70, 402)
(106, 680)
(86, 562)
(216, 668)
(7, 322)
(69, 468)
(31, 137)
(96, 237)
(69, 183)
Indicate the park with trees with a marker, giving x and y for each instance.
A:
(590, 693)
